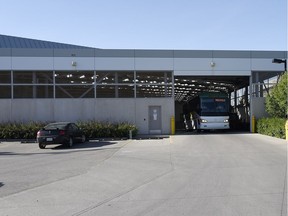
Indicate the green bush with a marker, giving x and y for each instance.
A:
(92, 129)
(272, 127)
(95, 129)
(276, 101)
(19, 130)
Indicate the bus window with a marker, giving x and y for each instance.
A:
(211, 105)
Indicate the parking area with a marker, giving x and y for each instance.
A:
(211, 174)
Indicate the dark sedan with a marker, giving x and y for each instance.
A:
(60, 133)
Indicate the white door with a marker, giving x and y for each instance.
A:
(155, 121)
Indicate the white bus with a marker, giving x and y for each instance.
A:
(209, 111)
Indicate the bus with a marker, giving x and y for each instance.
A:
(208, 111)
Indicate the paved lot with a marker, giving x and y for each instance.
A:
(203, 175)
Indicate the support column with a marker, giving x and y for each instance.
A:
(235, 99)
(251, 100)
(116, 86)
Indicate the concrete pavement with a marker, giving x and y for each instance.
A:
(207, 174)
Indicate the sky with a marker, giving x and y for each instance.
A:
(150, 24)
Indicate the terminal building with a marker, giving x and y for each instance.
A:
(48, 81)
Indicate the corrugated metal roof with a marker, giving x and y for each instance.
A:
(19, 42)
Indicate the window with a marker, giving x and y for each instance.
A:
(5, 92)
(125, 91)
(113, 84)
(153, 77)
(111, 77)
(23, 91)
(125, 77)
(105, 77)
(74, 127)
(84, 84)
(74, 91)
(5, 77)
(23, 77)
(74, 77)
(153, 84)
(34, 91)
(153, 91)
(33, 84)
(43, 77)
(74, 84)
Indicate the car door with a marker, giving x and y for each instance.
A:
(76, 132)
(70, 131)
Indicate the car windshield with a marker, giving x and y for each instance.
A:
(55, 126)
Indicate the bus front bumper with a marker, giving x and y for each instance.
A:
(214, 126)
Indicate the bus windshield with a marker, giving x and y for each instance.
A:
(214, 106)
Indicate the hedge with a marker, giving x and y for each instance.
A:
(95, 129)
(92, 129)
(19, 130)
(274, 127)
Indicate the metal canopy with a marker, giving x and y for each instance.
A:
(187, 87)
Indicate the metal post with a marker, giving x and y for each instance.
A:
(253, 124)
(172, 122)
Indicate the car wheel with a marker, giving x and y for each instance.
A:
(70, 142)
(42, 146)
(83, 138)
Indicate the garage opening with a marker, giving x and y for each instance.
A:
(188, 88)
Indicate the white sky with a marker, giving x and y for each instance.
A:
(150, 24)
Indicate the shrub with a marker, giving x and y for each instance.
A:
(276, 101)
(92, 129)
(19, 130)
(272, 127)
(95, 129)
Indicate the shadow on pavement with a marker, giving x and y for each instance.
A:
(1, 184)
(62, 149)
(90, 144)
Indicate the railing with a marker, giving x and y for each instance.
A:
(262, 89)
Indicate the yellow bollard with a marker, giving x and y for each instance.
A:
(286, 129)
(172, 123)
(253, 124)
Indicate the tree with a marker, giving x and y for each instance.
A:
(276, 101)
